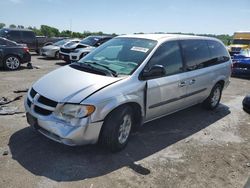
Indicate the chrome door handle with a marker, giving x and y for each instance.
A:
(182, 84)
(191, 82)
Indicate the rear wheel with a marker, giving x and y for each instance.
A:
(116, 129)
(214, 98)
(12, 62)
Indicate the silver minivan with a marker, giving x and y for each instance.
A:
(129, 80)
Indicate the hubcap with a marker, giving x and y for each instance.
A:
(125, 129)
(216, 97)
(12, 63)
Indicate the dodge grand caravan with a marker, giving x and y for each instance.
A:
(124, 83)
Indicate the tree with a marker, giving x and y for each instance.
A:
(2, 25)
(49, 31)
(12, 26)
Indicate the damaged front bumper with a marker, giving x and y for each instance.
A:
(86, 133)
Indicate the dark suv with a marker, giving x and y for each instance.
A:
(13, 54)
(28, 37)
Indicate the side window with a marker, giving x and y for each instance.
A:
(169, 56)
(196, 53)
(14, 35)
(27, 35)
(218, 52)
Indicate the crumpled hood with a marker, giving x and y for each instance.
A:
(71, 46)
(67, 84)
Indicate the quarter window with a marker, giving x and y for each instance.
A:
(218, 52)
(196, 53)
(169, 56)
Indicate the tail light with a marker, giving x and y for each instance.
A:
(26, 49)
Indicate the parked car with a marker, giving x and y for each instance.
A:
(52, 50)
(26, 36)
(246, 104)
(12, 55)
(127, 81)
(93, 41)
(79, 53)
(241, 64)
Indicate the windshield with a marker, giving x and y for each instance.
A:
(241, 41)
(121, 55)
(90, 41)
(60, 42)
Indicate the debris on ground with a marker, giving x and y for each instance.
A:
(29, 66)
(5, 100)
(5, 152)
(8, 110)
(21, 90)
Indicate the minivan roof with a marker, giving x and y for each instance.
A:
(162, 37)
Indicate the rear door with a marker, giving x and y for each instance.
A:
(164, 94)
(199, 77)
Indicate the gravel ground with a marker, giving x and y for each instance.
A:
(191, 148)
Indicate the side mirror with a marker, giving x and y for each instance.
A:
(154, 72)
(229, 42)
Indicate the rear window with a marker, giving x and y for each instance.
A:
(28, 35)
(218, 52)
(196, 53)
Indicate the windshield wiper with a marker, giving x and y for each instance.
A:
(114, 73)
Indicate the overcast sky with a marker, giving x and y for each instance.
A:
(130, 16)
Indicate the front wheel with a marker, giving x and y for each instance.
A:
(11, 62)
(213, 99)
(57, 55)
(116, 128)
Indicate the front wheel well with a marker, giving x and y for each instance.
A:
(221, 82)
(136, 111)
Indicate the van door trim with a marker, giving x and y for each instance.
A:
(176, 99)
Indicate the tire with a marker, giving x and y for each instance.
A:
(117, 128)
(213, 99)
(57, 55)
(12, 62)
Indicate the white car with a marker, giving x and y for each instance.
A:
(79, 53)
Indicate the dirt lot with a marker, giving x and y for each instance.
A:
(191, 148)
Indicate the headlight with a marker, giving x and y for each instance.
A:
(72, 113)
(75, 51)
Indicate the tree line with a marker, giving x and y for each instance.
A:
(49, 31)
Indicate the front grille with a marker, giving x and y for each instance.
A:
(38, 100)
(47, 101)
(42, 111)
(32, 93)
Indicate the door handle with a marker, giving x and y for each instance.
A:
(191, 82)
(182, 84)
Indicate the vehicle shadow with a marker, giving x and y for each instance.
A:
(55, 161)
